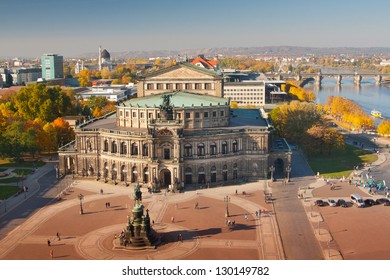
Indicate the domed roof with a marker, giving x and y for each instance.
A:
(105, 54)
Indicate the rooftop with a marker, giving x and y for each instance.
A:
(179, 99)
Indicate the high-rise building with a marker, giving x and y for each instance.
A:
(52, 66)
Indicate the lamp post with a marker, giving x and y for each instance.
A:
(81, 197)
(272, 169)
(227, 199)
(288, 170)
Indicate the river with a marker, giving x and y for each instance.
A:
(368, 95)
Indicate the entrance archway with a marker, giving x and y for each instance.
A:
(279, 168)
(165, 178)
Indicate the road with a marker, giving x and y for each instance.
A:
(46, 180)
(296, 232)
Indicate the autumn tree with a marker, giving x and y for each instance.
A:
(84, 78)
(384, 127)
(64, 132)
(294, 119)
(348, 111)
(320, 140)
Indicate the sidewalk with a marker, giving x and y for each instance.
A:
(31, 181)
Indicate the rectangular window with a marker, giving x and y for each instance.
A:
(222, 113)
(214, 113)
(167, 154)
(197, 115)
(134, 114)
(188, 115)
(206, 114)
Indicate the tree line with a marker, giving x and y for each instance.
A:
(305, 123)
(31, 120)
(349, 112)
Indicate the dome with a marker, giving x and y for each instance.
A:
(105, 54)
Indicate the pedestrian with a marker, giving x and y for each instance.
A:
(172, 219)
(152, 222)
(48, 242)
(109, 204)
(246, 216)
(101, 191)
(58, 236)
(51, 253)
(236, 192)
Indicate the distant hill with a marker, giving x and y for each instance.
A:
(250, 51)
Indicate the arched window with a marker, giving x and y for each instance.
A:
(201, 149)
(235, 171)
(105, 146)
(188, 175)
(146, 175)
(224, 147)
(123, 148)
(235, 146)
(134, 174)
(213, 172)
(145, 150)
(114, 148)
(201, 176)
(123, 174)
(187, 150)
(134, 149)
(225, 172)
(213, 149)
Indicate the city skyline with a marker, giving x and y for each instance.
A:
(32, 28)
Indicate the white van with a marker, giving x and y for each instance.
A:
(357, 200)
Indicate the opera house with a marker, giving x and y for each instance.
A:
(178, 132)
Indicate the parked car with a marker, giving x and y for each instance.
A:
(369, 202)
(332, 202)
(342, 202)
(383, 201)
(319, 202)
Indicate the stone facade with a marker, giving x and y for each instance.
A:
(139, 144)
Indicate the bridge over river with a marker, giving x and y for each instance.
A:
(318, 77)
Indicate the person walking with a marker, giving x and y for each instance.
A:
(58, 236)
(48, 242)
(172, 219)
(51, 253)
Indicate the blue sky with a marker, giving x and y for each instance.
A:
(72, 27)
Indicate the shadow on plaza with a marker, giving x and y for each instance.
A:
(173, 236)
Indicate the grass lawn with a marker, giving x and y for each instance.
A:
(8, 191)
(341, 163)
(23, 172)
(9, 180)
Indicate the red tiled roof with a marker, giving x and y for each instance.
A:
(208, 64)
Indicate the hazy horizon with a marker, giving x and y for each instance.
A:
(76, 27)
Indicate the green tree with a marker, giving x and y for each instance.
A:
(39, 101)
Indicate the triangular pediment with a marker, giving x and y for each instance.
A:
(183, 72)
